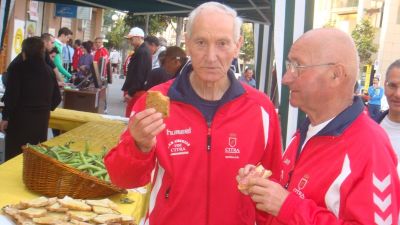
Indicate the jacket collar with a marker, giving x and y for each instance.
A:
(181, 89)
(343, 120)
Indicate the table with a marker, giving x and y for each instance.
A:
(13, 190)
(99, 134)
(67, 119)
(88, 99)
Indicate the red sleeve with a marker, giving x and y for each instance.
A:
(273, 152)
(370, 197)
(127, 166)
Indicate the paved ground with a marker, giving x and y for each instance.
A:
(115, 104)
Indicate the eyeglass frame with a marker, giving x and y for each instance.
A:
(293, 67)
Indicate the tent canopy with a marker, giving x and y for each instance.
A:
(258, 11)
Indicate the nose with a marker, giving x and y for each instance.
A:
(211, 53)
(287, 78)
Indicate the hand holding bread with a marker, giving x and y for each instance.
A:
(144, 126)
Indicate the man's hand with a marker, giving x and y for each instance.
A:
(3, 126)
(268, 195)
(144, 126)
(241, 178)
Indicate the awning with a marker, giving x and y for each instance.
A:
(257, 11)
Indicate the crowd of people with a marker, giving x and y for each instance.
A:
(340, 167)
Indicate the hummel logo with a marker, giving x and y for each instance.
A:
(381, 184)
(383, 205)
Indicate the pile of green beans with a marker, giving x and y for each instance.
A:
(92, 164)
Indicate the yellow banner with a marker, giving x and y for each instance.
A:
(367, 77)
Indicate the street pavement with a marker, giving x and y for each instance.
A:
(115, 104)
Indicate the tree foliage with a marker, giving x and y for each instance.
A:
(157, 23)
(248, 43)
(364, 35)
(116, 36)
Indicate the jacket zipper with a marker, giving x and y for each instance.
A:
(208, 169)
(167, 192)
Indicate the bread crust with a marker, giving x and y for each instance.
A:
(159, 102)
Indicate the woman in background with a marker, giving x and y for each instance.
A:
(31, 93)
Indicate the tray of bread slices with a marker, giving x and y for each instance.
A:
(66, 211)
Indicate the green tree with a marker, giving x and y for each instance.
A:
(157, 23)
(364, 35)
(116, 36)
(248, 43)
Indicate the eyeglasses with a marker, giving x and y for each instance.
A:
(294, 67)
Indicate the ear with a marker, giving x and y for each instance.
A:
(187, 48)
(339, 75)
(238, 45)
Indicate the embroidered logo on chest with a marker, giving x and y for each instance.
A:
(231, 151)
(301, 185)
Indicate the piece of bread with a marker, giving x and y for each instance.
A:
(82, 216)
(36, 203)
(258, 171)
(103, 203)
(33, 212)
(48, 220)
(77, 222)
(10, 210)
(108, 218)
(23, 220)
(56, 207)
(104, 210)
(158, 101)
(74, 204)
(127, 220)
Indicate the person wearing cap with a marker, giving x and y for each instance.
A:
(138, 69)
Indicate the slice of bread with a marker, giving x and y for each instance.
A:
(36, 203)
(56, 207)
(103, 203)
(33, 212)
(104, 210)
(82, 216)
(108, 218)
(158, 101)
(74, 204)
(258, 171)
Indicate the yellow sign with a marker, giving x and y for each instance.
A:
(18, 38)
(367, 78)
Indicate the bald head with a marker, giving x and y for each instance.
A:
(330, 45)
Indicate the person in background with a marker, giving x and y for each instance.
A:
(375, 93)
(390, 119)
(247, 77)
(115, 60)
(171, 63)
(85, 62)
(161, 48)
(101, 52)
(50, 54)
(215, 126)
(153, 44)
(64, 35)
(78, 52)
(138, 69)
(333, 173)
(31, 93)
(53, 53)
(68, 53)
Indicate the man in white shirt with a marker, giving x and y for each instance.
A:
(390, 119)
(115, 59)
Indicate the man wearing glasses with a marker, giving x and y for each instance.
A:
(339, 167)
(390, 119)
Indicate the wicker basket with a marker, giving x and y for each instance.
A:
(49, 177)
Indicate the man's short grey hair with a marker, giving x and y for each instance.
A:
(394, 65)
(228, 10)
